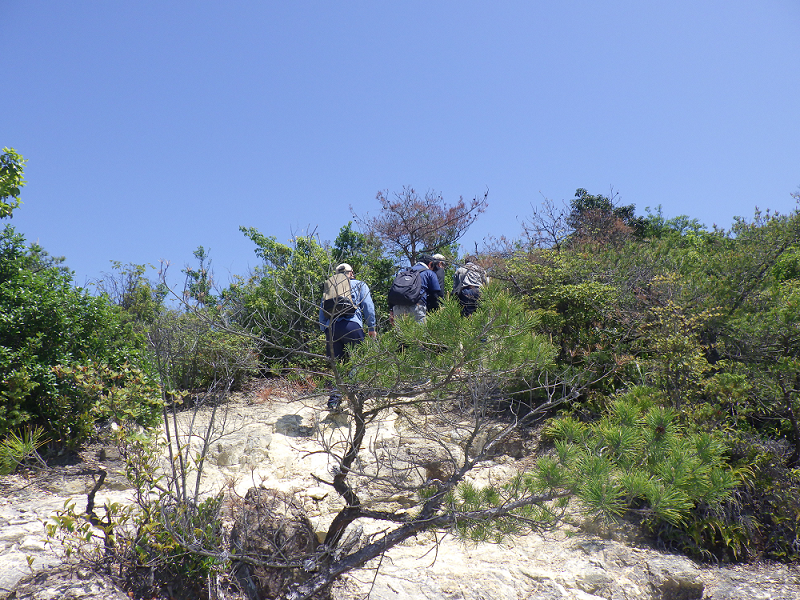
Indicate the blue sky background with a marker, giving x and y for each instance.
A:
(154, 127)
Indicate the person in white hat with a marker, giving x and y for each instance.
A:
(347, 329)
(437, 266)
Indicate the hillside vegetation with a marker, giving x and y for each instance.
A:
(662, 357)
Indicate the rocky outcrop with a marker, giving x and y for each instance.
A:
(274, 446)
(67, 582)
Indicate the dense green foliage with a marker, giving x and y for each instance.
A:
(47, 327)
(279, 302)
(191, 354)
(708, 320)
(639, 460)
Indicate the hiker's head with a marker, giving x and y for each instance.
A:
(439, 259)
(346, 269)
(427, 259)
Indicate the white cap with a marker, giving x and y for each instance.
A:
(343, 268)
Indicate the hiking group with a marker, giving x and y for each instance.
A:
(347, 305)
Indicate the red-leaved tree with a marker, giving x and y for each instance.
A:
(410, 224)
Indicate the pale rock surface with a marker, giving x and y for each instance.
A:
(275, 444)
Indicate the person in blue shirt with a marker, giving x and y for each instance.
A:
(430, 289)
(348, 330)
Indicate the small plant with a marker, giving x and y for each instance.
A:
(18, 449)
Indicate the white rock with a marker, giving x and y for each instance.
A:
(276, 446)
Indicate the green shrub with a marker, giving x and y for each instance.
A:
(45, 323)
(279, 302)
(122, 395)
(191, 353)
(639, 461)
(18, 449)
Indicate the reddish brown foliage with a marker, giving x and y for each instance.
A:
(409, 224)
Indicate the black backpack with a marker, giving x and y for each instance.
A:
(337, 297)
(406, 288)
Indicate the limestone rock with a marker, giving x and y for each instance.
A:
(65, 582)
(275, 445)
(675, 578)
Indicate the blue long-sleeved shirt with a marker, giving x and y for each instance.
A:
(365, 309)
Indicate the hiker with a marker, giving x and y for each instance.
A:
(467, 284)
(411, 289)
(346, 305)
(438, 268)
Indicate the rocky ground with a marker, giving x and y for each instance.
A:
(270, 438)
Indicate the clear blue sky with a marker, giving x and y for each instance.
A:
(154, 127)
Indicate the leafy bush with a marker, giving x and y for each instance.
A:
(138, 300)
(279, 302)
(46, 323)
(770, 504)
(12, 166)
(122, 395)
